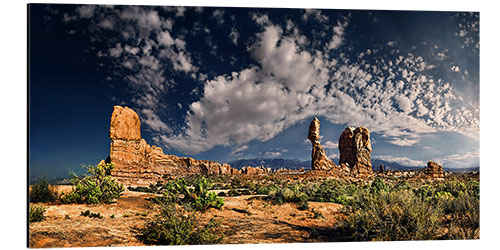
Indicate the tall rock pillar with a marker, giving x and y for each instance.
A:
(355, 150)
(319, 160)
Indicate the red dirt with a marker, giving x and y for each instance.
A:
(244, 219)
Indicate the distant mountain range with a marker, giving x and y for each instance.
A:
(277, 163)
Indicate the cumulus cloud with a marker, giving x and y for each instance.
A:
(143, 51)
(330, 144)
(234, 35)
(289, 82)
(316, 14)
(239, 150)
(405, 161)
(289, 85)
(338, 34)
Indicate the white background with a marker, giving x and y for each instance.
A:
(13, 113)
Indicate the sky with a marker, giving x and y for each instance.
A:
(232, 83)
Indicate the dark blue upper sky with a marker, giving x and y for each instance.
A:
(229, 83)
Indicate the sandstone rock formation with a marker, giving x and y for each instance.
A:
(319, 160)
(381, 169)
(139, 164)
(355, 150)
(255, 170)
(434, 170)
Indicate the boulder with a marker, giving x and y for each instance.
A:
(434, 170)
(319, 160)
(355, 150)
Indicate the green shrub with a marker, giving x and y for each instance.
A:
(36, 213)
(453, 187)
(41, 191)
(464, 221)
(392, 216)
(425, 191)
(97, 187)
(233, 192)
(378, 185)
(473, 188)
(199, 197)
(174, 226)
(89, 214)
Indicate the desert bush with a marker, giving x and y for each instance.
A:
(89, 214)
(36, 213)
(453, 187)
(41, 191)
(175, 226)
(425, 191)
(96, 187)
(399, 215)
(464, 212)
(198, 197)
(473, 188)
(378, 185)
(401, 185)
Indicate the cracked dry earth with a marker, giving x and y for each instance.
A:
(244, 219)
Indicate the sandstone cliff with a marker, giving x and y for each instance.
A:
(139, 164)
(355, 150)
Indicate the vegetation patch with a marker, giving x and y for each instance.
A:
(36, 213)
(180, 226)
(96, 187)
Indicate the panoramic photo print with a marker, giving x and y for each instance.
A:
(171, 125)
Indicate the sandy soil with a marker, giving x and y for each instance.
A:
(244, 219)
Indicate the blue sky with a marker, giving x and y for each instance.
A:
(229, 83)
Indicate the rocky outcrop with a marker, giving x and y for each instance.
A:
(255, 170)
(355, 150)
(139, 164)
(319, 160)
(434, 170)
(381, 169)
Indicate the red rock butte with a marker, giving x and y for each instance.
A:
(139, 164)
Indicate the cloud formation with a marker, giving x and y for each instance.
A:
(391, 92)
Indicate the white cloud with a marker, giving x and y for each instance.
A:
(239, 150)
(333, 156)
(86, 11)
(404, 142)
(289, 82)
(338, 35)
(316, 14)
(218, 15)
(405, 161)
(234, 35)
(273, 154)
(330, 144)
(260, 19)
(455, 68)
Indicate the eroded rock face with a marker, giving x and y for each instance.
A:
(125, 124)
(355, 150)
(319, 160)
(255, 170)
(434, 170)
(139, 164)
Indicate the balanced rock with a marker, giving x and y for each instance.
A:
(319, 160)
(355, 150)
(140, 164)
(434, 170)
